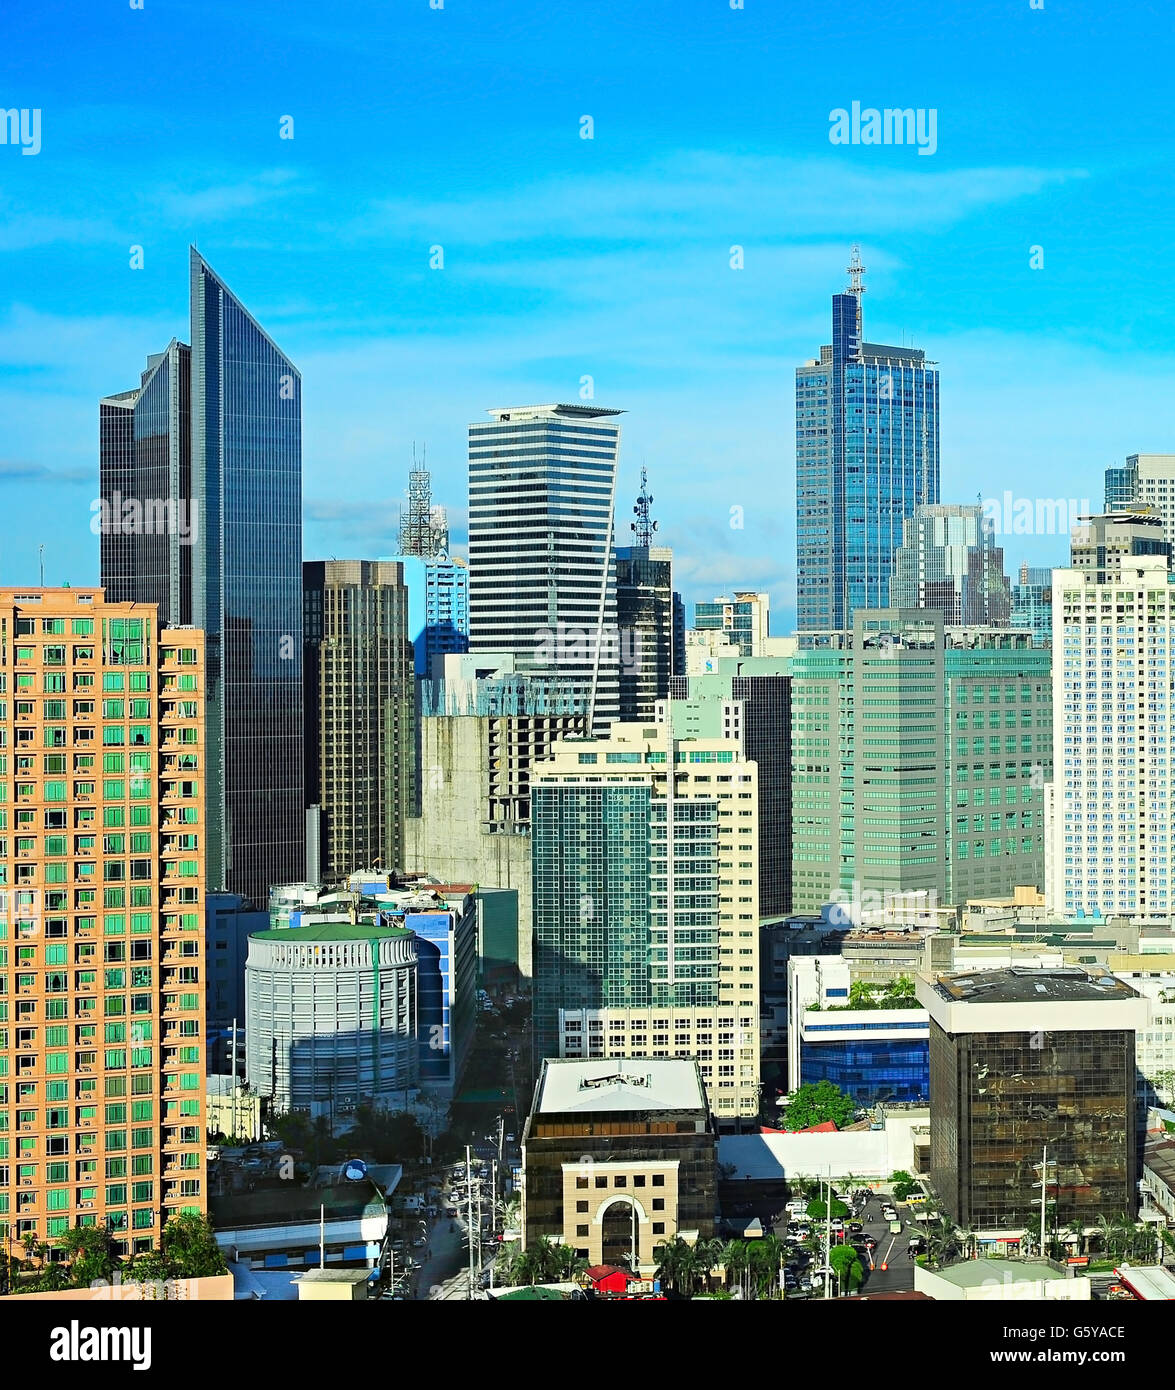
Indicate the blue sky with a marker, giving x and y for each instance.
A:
(609, 257)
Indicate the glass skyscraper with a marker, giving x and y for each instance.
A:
(866, 456)
(201, 479)
(542, 564)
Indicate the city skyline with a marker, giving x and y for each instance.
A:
(608, 258)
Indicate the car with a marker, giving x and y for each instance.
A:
(855, 1227)
(509, 1139)
(450, 1212)
(836, 1223)
(796, 1206)
(870, 1243)
(419, 1242)
(889, 1213)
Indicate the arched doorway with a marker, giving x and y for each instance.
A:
(616, 1228)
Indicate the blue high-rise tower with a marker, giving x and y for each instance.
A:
(866, 456)
(210, 447)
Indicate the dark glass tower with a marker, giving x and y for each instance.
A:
(210, 448)
(866, 456)
(146, 488)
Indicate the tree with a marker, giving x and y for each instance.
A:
(817, 1104)
(765, 1258)
(818, 1212)
(189, 1248)
(903, 1184)
(846, 1264)
(89, 1253)
(678, 1265)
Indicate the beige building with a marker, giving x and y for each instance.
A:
(617, 1159)
(102, 934)
(646, 943)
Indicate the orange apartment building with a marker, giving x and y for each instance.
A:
(101, 918)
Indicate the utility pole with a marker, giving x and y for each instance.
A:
(469, 1211)
(828, 1238)
(1044, 1188)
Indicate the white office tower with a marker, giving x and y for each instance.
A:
(542, 568)
(1110, 820)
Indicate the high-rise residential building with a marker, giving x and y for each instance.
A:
(1100, 546)
(201, 513)
(1146, 479)
(646, 614)
(1032, 604)
(867, 454)
(360, 697)
(744, 619)
(102, 1045)
(542, 564)
(748, 699)
(919, 760)
(948, 560)
(646, 904)
(1032, 1081)
(438, 609)
(1114, 736)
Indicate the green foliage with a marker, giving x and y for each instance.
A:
(903, 1184)
(818, 1212)
(188, 1250)
(816, 1104)
(870, 994)
(850, 1273)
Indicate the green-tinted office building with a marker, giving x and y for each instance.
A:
(920, 754)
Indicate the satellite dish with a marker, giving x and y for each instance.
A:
(354, 1170)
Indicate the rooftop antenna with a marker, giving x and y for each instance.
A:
(855, 271)
(41, 553)
(644, 525)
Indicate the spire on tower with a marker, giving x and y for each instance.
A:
(855, 271)
(644, 525)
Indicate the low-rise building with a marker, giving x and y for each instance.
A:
(974, 1281)
(289, 1227)
(617, 1157)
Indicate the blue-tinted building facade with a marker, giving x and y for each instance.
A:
(212, 441)
(893, 1067)
(867, 454)
(438, 607)
(247, 589)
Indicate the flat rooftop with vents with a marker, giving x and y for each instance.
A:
(1026, 999)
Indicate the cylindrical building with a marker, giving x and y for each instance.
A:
(330, 1014)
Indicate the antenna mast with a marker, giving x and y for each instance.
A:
(855, 271)
(644, 525)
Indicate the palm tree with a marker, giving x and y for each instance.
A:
(709, 1254)
(670, 1256)
(733, 1258)
(766, 1256)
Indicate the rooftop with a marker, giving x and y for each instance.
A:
(332, 931)
(286, 1205)
(1024, 984)
(972, 1274)
(635, 1083)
